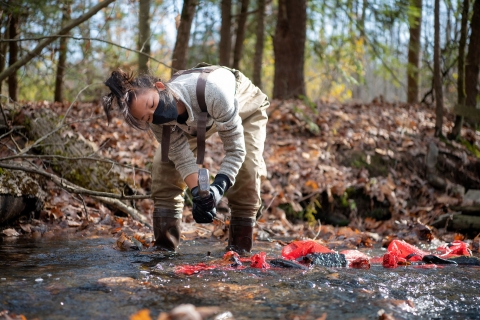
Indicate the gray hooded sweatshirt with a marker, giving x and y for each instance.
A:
(230, 98)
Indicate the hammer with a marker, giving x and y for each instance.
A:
(203, 183)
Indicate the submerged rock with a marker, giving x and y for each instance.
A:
(432, 259)
(466, 261)
(282, 263)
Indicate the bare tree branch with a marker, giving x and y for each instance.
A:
(38, 49)
(69, 186)
(47, 156)
(125, 209)
(89, 39)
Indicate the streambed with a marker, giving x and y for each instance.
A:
(89, 279)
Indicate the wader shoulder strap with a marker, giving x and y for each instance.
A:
(165, 142)
(202, 119)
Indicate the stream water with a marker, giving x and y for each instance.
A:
(89, 279)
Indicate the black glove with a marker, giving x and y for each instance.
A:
(220, 185)
(202, 216)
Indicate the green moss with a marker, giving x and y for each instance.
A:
(378, 165)
(2, 172)
(472, 148)
(379, 214)
(344, 200)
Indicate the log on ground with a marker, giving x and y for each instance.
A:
(87, 173)
(20, 194)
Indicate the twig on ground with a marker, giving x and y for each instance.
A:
(319, 229)
(84, 207)
(125, 209)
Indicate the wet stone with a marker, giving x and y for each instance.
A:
(327, 259)
(282, 263)
(466, 261)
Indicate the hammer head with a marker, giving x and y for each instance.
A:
(203, 183)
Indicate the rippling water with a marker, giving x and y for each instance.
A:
(59, 279)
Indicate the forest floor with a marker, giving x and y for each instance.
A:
(350, 176)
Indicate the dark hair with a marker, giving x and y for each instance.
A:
(123, 88)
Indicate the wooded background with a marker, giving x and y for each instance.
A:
(331, 50)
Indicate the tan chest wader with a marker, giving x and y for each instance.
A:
(167, 229)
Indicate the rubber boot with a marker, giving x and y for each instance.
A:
(166, 229)
(240, 235)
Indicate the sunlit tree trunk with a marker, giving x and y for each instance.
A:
(437, 73)
(415, 21)
(143, 35)
(242, 19)
(3, 45)
(289, 49)
(225, 37)
(62, 56)
(461, 70)
(13, 56)
(260, 39)
(180, 52)
(473, 59)
(359, 87)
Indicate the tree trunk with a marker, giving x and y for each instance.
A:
(179, 58)
(225, 37)
(44, 43)
(143, 35)
(437, 73)
(414, 52)
(289, 49)
(457, 128)
(260, 39)
(473, 59)
(4, 45)
(242, 19)
(13, 56)
(62, 57)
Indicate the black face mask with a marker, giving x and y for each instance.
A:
(165, 111)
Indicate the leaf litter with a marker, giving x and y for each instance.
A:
(345, 161)
(326, 160)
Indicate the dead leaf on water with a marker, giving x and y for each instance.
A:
(143, 314)
(116, 280)
(333, 276)
(323, 317)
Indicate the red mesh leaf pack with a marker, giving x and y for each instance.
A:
(406, 251)
(390, 260)
(456, 247)
(299, 249)
(189, 269)
(259, 261)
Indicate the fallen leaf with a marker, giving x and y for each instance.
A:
(11, 233)
(143, 314)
